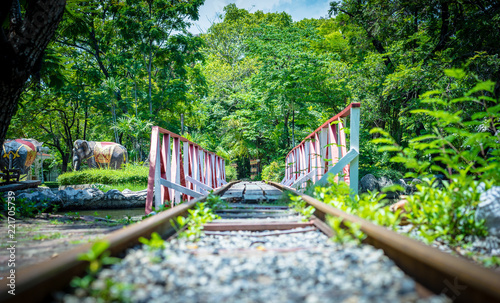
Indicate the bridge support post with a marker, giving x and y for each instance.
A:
(354, 144)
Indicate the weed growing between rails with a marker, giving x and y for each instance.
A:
(297, 204)
(368, 206)
(201, 214)
(109, 291)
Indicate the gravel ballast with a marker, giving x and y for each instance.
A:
(241, 267)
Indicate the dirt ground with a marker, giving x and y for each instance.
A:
(47, 235)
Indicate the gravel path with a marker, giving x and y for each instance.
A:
(241, 267)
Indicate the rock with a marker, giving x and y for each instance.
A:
(80, 198)
(87, 198)
(369, 183)
(384, 182)
(43, 196)
(413, 185)
(489, 210)
(114, 194)
(314, 270)
(402, 183)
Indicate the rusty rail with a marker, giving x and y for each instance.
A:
(35, 283)
(461, 280)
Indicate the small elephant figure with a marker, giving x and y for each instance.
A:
(99, 154)
(19, 154)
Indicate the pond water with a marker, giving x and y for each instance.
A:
(115, 214)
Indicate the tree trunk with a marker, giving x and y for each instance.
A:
(149, 76)
(65, 161)
(150, 60)
(9, 95)
(182, 124)
(22, 46)
(286, 141)
(293, 126)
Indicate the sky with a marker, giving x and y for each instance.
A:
(297, 9)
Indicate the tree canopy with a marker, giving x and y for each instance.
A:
(255, 84)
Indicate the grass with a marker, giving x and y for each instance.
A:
(130, 174)
(56, 222)
(47, 236)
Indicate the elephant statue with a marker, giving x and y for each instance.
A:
(19, 154)
(99, 154)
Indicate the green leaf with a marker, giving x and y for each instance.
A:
(424, 137)
(488, 86)
(455, 73)
(431, 93)
(391, 148)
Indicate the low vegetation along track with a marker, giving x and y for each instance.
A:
(261, 251)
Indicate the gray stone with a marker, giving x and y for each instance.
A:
(489, 210)
(38, 195)
(114, 194)
(402, 183)
(413, 185)
(384, 181)
(87, 198)
(369, 183)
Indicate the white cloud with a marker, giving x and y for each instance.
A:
(297, 9)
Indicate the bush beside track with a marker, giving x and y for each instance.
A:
(134, 174)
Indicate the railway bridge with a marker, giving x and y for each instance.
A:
(256, 241)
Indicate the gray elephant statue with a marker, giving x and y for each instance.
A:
(99, 154)
(19, 154)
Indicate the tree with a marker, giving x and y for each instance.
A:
(154, 23)
(400, 48)
(269, 84)
(31, 25)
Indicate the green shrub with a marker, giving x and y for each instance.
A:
(465, 149)
(51, 184)
(369, 206)
(134, 174)
(231, 173)
(23, 208)
(447, 213)
(273, 172)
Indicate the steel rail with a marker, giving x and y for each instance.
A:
(442, 273)
(35, 283)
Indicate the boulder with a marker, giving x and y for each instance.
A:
(43, 196)
(369, 183)
(87, 198)
(403, 184)
(489, 210)
(80, 198)
(384, 182)
(413, 185)
(114, 194)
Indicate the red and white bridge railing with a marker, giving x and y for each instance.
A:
(176, 173)
(324, 152)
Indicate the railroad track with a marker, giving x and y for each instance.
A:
(261, 252)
